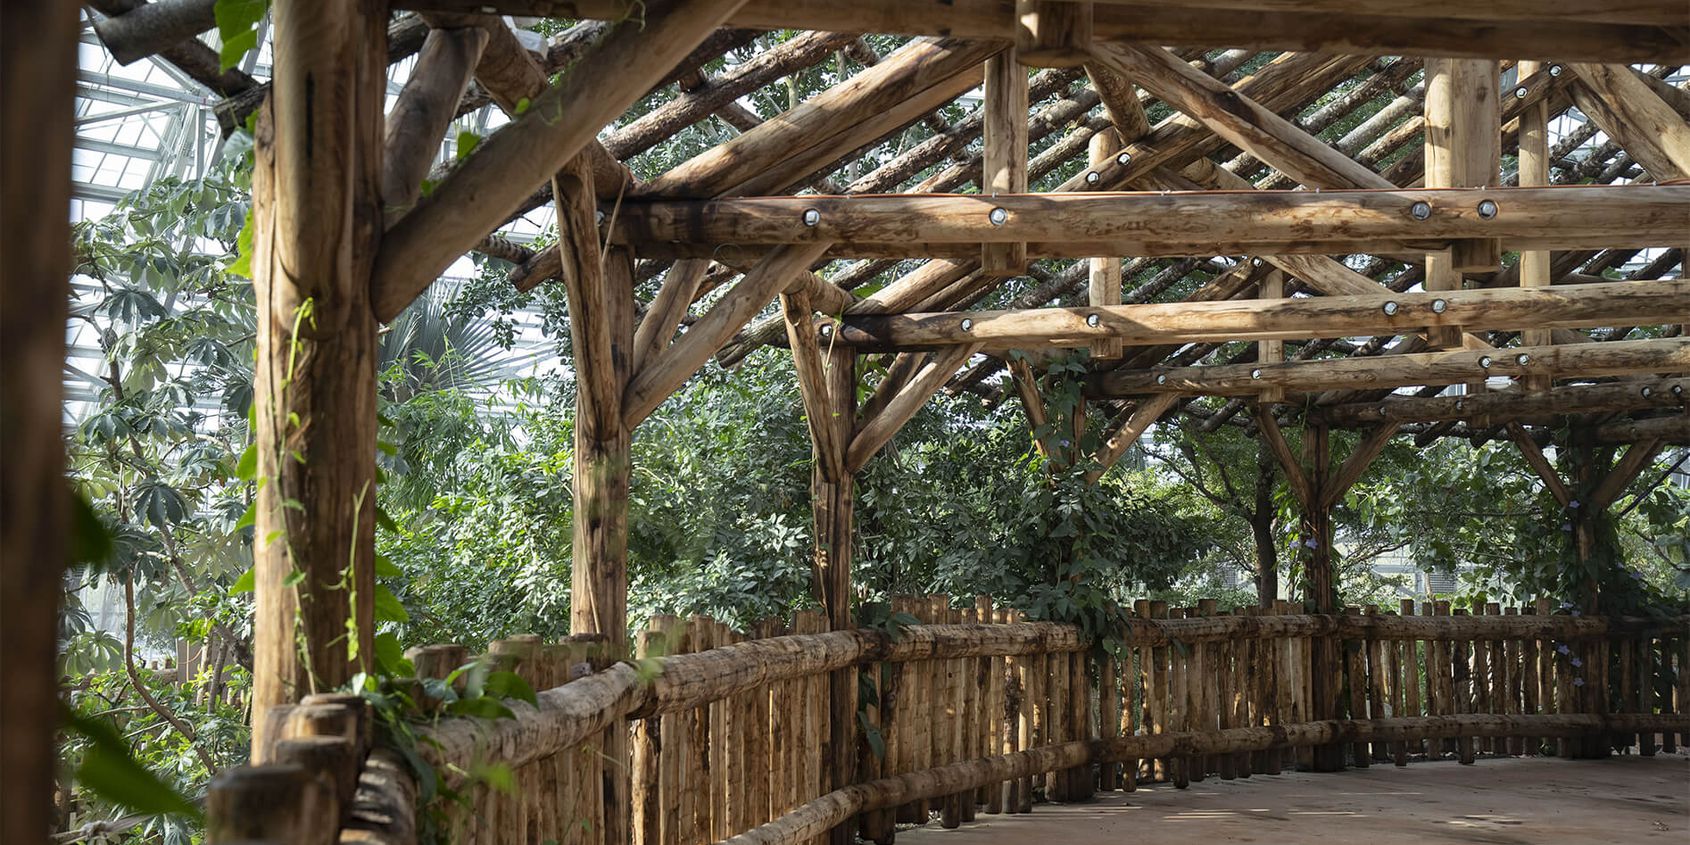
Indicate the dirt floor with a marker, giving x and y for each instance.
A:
(1500, 801)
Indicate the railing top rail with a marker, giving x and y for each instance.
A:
(575, 711)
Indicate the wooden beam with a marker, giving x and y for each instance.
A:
(1237, 118)
(1463, 150)
(1003, 168)
(875, 433)
(1534, 265)
(1032, 404)
(1350, 471)
(1295, 476)
(503, 171)
(39, 48)
(668, 309)
(1120, 102)
(1052, 33)
(1142, 223)
(1104, 273)
(1148, 410)
(909, 82)
(1572, 399)
(317, 217)
(1674, 429)
(1614, 358)
(664, 374)
(424, 109)
(1540, 463)
(1637, 458)
(1626, 108)
(1535, 36)
(1271, 351)
(813, 379)
(1277, 319)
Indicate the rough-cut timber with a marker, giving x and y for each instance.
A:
(1385, 313)
(1171, 223)
(317, 222)
(1630, 357)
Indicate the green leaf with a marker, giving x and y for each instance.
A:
(109, 770)
(467, 142)
(385, 568)
(385, 522)
(390, 655)
(237, 25)
(90, 541)
(247, 468)
(509, 685)
(294, 579)
(484, 708)
(248, 517)
(244, 584)
(388, 608)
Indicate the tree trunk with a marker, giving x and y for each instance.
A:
(1261, 528)
(38, 53)
(317, 223)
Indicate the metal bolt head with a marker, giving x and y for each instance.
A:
(1256, 373)
(812, 217)
(998, 217)
(1093, 177)
(1647, 392)
(1484, 361)
(1522, 359)
(1520, 92)
(598, 217)
(1161, 379)
(967, 324)
(1390, 308)
(1123, 158)
(827, 330)
(1093, 320)
(1487, 209)
(1439, 306)
(1257, 262)
(1678, 390)
(1554, 70)
(1421, 210)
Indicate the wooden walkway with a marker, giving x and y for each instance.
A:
(1525, 801)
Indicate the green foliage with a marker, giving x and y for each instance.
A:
(237, 27)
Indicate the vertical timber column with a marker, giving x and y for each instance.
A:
(38, 49)
(1534, 172)
(1004, 153)
(317, 223)
(833, 497)
(1463, 150)
(827, 383)
(1321, 595)
(1105, 273)
(601, 321)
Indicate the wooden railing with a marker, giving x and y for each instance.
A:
(972, 711)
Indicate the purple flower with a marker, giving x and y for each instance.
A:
(1312, 543)
(1577, 612)
(1573, 504)
(1566, 526)
(1566, 604)
(1636, 576)
(1563, 648)
(1578, 682)
(1577, 663)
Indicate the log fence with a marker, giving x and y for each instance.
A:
(974, 710)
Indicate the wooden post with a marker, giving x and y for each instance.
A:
(1534, 172)
(1105, 275)
(38, 66)
(1321, 595)
(1004, 153)
(317, 225)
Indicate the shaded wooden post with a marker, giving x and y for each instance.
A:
(1463, 149)
(827, 380)
(38, 66)
(599, 287)
(317, 224)
(1321, 596)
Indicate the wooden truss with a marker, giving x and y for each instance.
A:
(1351, 267)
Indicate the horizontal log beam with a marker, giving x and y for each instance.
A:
(1384, 313)
(1547, 36)
(1573, 399)
(1614, 358)
(1142, 223)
